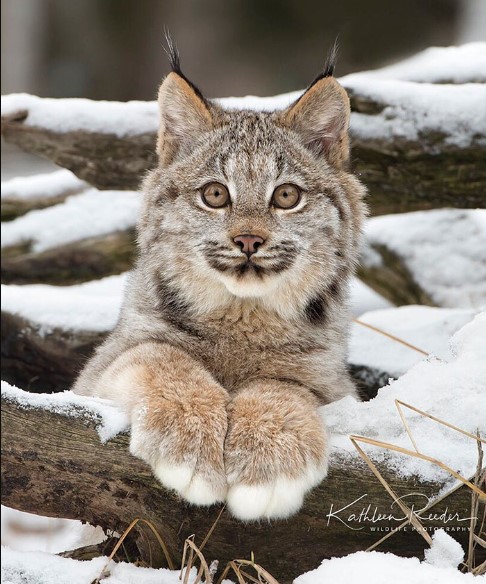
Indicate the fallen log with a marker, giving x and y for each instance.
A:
(393, 280)
(23, 194)
(72, 263)
(413, 148)
(42, 361)
(54, 464)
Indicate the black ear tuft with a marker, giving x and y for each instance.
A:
(175, 63)
(173, 53)
(329, 65)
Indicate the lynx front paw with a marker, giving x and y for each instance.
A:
(184, 449)
(275, 452)
(276, 499)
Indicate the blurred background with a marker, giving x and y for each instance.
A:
(113, 49)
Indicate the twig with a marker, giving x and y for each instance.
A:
(413, 519)
(392, 337)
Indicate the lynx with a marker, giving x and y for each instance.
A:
(234, 325)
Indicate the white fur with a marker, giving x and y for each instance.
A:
(275, 500)
(201, 492)
(182, 478)
(173, 476)
(250, 286)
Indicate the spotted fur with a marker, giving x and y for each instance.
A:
(222, 360)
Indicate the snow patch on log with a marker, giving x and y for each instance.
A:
(42, 186)
(437, 116)
(463, 64)
(445, 551)
(452, 389)
(109, 420)
(92, 306)
(89, 214)
(70, 114)
(444, 249)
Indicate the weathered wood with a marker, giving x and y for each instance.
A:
(80, 261)
(55, 465)
(40, 360)
(11, 208)
(393, 280)
(43, 361)
(402, 175)
(103, 160)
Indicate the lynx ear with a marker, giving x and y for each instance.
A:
(184, 113)
(321, 117)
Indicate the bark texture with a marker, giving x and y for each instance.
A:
(87, 259)
(401, 174)
(55, 465)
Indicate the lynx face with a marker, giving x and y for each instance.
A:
(251, 204)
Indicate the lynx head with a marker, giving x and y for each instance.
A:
(252, 205)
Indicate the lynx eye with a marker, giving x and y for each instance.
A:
(215, 195)
(286, 197)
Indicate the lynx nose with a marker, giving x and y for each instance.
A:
(249, 244)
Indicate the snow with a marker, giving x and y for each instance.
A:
(92, 306)
(42, 568)
(463, 64)
(90, 214)
(426, 327)
(27, 532)
(42, 186)
(456, 111)
(363, 298)
(444, 249)
(438, 116)
(383, 568)
(445, 551)
(109, 420)
(71, 114)
(453, 390)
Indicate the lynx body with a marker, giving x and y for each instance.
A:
(235, 320)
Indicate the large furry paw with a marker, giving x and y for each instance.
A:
(184, 449)
(275, 452)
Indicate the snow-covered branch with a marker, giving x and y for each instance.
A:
(419, 135)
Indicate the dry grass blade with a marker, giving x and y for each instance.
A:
(203, 568)
(390, 336)
(406, 522)
(480, 570)
(400, 403)
(122, 539)
(232, 566)
(210, 532)
(480, 541)
(264, 577)
(473, 538)
(412, 518)
(439, 463)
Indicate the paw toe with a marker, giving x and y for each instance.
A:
(201, 492)
(248, 502)
(173, 476)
